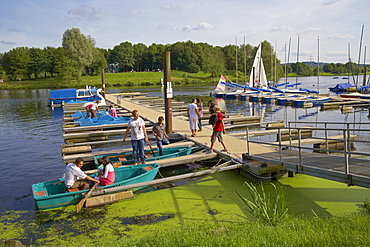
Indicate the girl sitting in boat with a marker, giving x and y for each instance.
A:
(106, 174)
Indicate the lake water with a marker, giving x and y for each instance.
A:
(31, 134)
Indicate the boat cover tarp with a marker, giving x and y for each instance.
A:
(63, 93)
(276, 89)
(342, 86)
(295, 84)
(308, 90)
(227, 84)
(363, 88)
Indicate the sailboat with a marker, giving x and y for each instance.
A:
(258, 77)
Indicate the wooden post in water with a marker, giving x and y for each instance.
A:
(168, 93)
(103, 82)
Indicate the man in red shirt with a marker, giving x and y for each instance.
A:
(218, 129)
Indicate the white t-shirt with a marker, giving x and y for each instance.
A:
(192, 113)
(94, 106)
(108, 168)
(72, 173)
(136, 126)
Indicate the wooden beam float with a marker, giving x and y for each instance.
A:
(90, 156)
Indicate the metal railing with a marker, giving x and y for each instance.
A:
(346, 139)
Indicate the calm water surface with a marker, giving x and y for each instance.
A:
(31, 134)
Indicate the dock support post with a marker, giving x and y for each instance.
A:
(168, 93)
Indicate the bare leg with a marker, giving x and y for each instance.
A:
(223, 144)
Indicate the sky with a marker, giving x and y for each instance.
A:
(326, 28)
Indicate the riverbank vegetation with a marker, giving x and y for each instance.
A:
(78, 58)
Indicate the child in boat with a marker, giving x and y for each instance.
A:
(112, 111)
(159, 131)
(218, 130)
(106, 175)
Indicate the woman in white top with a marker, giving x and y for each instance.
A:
(193, 115)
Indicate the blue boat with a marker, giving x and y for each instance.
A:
(73, 95)
(125, 158)
(52, 194)
(316, 101)
(101, 119)
(270, 98)
(343, 87)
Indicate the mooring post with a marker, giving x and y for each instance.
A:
(103, 82)
(168, 92)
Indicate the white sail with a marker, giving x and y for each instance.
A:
(260, 79)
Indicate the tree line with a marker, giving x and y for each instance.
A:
(78, 56)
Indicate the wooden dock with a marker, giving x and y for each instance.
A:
(321, 165)
(236, 147)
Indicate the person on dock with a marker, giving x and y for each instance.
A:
(92, 108)
(211, 105)
(193, 115)
(112, 111)
(200, 110)
(212, 117)
(138, 137)
(106, 175)
(218, 130)
(75, 177)
(159, 131)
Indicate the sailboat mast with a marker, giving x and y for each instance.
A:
(236, 59)
(285, 66)
(359, 53)
(245, 64)
(275, 79)
(318, 63)
(296, 78)
(260, 67)
(364, 83)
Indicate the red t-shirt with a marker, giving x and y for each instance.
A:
(219, 126)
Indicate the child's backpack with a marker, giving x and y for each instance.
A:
(212, 119)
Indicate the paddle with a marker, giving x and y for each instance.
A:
(58, 182)
(151, 148)
(81, 203)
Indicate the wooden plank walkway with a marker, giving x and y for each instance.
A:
(321, 165)
(180, 125)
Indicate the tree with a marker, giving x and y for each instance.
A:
(140, 53)
(123, 54)
(38, 62)
(79, 48)
(65, 67)
(99, 62)
(15, 63)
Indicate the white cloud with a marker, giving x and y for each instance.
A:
(341, 36)
(312, 29)
(169, 7)
(133, 12)
(85, 13)
(201, 26)
(6, 42)
(168, 25)
(282, 29)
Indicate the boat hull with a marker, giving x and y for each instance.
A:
(126, 158)
(49, 195)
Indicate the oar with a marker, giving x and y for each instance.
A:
(151, 148)
(81, 203)
(58, 182)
